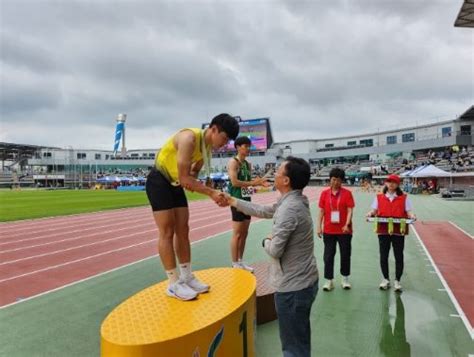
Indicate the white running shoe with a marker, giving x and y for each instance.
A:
(328, 286)
(180, 290)
(237, 265)
(384, 285)
(345, 283)
(397, 286)
(196, 285)
(246, 267)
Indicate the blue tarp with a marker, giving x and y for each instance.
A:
(110, 179)
(219, 176)
(131, 188)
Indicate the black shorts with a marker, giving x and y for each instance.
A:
(238, 216)
(161, 194)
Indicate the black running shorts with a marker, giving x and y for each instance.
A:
(238, 216)
(161, 194)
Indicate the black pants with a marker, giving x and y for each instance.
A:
(330, 241)
(398, 243)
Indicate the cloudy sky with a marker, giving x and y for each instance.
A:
(317, 68)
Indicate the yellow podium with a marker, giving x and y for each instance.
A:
(219, 323)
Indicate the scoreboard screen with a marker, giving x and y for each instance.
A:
(256, 130)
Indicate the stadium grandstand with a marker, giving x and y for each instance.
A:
(465, 17)
(15, 166)
(446, 144)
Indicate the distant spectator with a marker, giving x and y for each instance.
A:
(424, 185)
(432, 186)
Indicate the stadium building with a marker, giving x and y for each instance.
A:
(391, 149)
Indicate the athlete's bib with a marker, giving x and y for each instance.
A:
(247, 192)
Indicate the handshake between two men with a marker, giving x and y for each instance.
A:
(223, 199)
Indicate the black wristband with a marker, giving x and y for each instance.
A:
(263, 242)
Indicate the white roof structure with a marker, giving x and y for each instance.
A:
(412, 172)
(430, 171)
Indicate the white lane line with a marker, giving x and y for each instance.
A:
(94, 234)
(462, 230)
(257, 220)
(100, 242)
(71, 232)
(34, 221)
(76, 261)
(203, 211)
(77, 282)
(442, 290)
(111, 270)
(74, 238)
(144, 219)
(86, 217)
(458, 308)
(71, 248)
(110, 213)
(111, 219)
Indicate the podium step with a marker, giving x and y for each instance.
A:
(218, 323)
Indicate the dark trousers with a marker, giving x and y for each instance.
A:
(345, 248)
(293, 310)
(398, 243)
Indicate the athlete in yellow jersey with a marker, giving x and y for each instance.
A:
(177, 166)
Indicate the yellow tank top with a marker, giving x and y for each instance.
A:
(167, 159)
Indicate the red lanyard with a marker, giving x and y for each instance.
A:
(338, 199)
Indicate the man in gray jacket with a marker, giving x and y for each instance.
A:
(293, 269)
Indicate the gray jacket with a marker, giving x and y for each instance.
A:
(293, 266)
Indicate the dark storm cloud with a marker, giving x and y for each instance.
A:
(318, 68)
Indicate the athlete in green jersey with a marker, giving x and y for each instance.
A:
(241, 186)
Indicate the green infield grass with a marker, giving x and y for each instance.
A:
(26, 204)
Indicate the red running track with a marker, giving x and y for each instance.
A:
(41, 255)
(453, 253)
